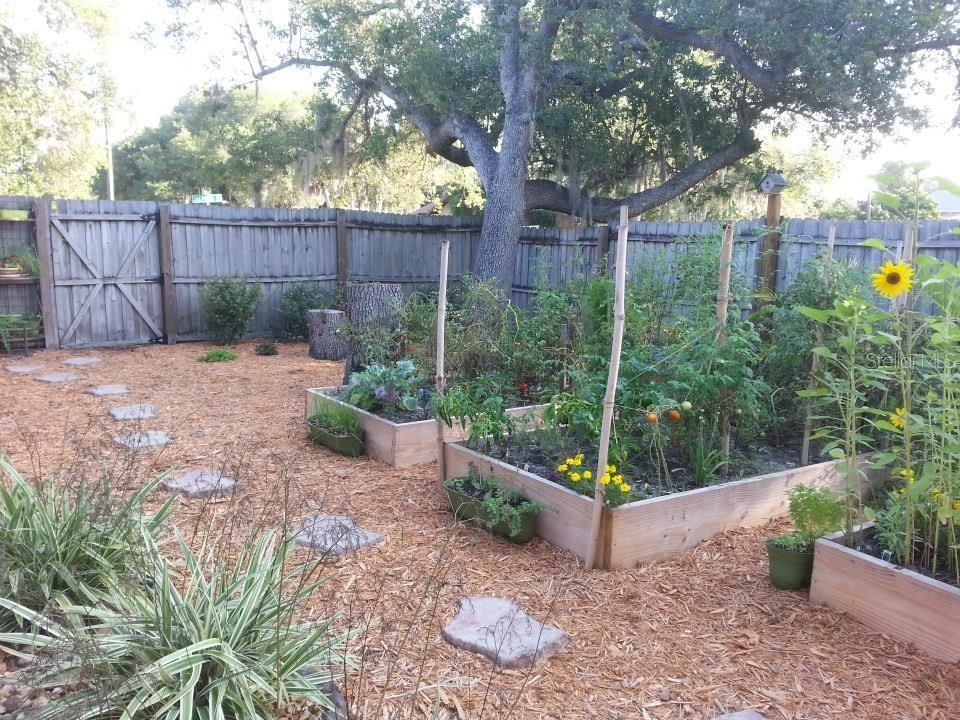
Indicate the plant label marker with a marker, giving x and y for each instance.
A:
(619, 315)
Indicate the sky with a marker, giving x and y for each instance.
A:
(151, 80)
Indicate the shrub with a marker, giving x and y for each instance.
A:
(816, 512)
(229, 305)
(70, 545)
(266, 348)
(297, 299)
(218, 355)
(225, 646)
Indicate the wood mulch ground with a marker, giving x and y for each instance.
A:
(689, 637)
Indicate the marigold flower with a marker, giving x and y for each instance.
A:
(618, 479)
(893, 279)
(587, 474)
(625, 488)
(574, 477)
(605, 479)
(562, 467)
(611, 468)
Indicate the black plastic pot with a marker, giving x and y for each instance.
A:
(468, 508)
(349, 445)
(789, 570)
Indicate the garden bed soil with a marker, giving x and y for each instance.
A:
(403, 443)
(651, 528)
(691, 636)
(898, 602)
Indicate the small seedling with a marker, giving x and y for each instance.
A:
(218, 355)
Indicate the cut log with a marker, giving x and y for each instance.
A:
(374, 303)
(325, 343)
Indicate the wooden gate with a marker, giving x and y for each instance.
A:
(106, 278)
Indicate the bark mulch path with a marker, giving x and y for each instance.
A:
(691, 637)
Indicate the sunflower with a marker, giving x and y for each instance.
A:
(899, 418)
(893, 279)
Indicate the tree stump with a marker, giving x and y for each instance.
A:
(325, 343)
(374, 303)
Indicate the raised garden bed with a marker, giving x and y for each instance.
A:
(402, 443)
(647, 529)
(898, 602)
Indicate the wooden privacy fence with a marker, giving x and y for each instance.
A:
(125, 272)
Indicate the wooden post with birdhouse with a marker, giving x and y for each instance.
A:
(772, 185)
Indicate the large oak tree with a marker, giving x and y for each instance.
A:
(578, 106)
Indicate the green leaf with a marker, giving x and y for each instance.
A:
(824, 352)
(875, 243)
(946, 184)
(887, 200)
(816, 392)
(837, 453)
(814, 314)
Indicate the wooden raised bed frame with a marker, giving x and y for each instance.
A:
(402, 444)
(647, 529)
(901, 603)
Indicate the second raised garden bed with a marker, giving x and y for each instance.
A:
(647, 529)
(898, 602)
(403, 444)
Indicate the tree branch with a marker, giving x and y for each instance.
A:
(549, 195)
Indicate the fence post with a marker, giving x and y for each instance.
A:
(167, 290)
(41, 234)
(769, 253)
(343, 249)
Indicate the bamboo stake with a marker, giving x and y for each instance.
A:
(723, 304)
(814, 367)
(619, 316)
(441, 327)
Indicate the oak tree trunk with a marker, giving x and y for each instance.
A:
(325, 342)
(370, 304)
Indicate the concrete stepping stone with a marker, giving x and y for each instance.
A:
(334, 535)
(501, 631)
(106, 390)
(202, 483)
(57, 377)
(82, 361)
(143, 439)
(24, 369)
(138, 411)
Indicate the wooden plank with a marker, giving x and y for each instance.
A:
(666, 525)
(41, 213)
(903, 604)
(167, 290)
(343, 248)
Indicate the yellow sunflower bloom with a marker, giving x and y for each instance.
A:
(899, 418)
(893, 279)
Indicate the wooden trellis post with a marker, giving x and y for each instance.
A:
(619, 317)
(723, 304)
(441, 325)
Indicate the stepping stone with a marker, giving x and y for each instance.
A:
(81, 361)
(24, 369)
(105, 390)
(501, 631)
(741, 715)
(143, 439)
(140, 411)
(334, 535)
(202, 483)
(57, 377)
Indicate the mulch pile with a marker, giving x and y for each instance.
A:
(691, 637)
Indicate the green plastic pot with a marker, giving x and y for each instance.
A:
(789, 570)
(468, 508)
(349, 445)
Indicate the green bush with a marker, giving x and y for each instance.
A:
(380, 386)
(229, 305)
(218, 355)
(58, 544)
(218, 644)
(297, 299)
(266, 348)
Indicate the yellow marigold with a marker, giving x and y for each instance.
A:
(611, 468)
(587, 474)
(625, 488)
(574, 477)
(956, 506)
(562, 467)
(902, 490)
(618, 479)
(576, 462)
(579, 456)
(605, 479)
(893, 279)
(568, 461)
(899, 418)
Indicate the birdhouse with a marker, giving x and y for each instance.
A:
(772, 184)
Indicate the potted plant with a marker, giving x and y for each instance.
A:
(338, 428)
(502, 511)
(10, 268)
(816, 512)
